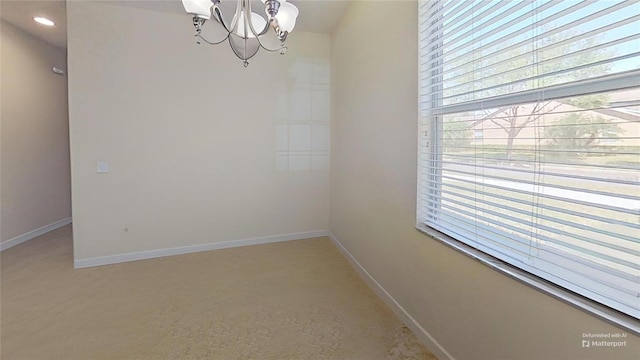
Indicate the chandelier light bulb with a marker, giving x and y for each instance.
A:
(287, 16)
(199, 8)
(257, 21)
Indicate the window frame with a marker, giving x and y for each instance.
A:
(429, 137)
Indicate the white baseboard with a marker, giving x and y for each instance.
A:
(142, 255)
(33, 233)
(417, 329)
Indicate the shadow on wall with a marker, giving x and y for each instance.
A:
(302, 115)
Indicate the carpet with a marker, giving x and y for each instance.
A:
(290, 300)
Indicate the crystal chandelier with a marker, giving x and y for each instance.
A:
(247, 30)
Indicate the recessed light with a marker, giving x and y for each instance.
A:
(43, 21)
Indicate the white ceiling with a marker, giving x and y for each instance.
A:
(21, 13)
(319, 16)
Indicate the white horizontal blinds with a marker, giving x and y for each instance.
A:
(530, 137)
(569, 40)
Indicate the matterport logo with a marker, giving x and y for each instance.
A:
(611, 340)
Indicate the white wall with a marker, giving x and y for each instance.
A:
(35, 181)
(471, 310)
(200, 149)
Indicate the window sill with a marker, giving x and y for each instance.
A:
(603, 312)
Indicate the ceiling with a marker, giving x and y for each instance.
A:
(21, 13)
(319, 16)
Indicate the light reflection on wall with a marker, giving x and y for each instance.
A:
(302, 115)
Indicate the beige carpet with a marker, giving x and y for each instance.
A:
(289, 300)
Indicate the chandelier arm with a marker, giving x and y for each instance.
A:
(236, 18)
(246, 44)
(282, 48)
(265, 30)
(217, 15)
(245, 58)
(246, 8)
(198, 22)
(266, 26)
(211, 42)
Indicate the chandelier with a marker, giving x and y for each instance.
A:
(247, 31)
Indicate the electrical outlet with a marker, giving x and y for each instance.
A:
(102, 167)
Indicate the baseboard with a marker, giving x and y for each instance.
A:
(417, 329)
(33, 233)
(143, 255)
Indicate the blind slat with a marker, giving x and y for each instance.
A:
(551, 188)
(513, 240)
(594, 167)
(549, 173)
(567, 211)
(568, 201)
(523, 221)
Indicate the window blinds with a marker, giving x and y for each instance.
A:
(529, 141)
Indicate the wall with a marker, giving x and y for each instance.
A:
(472, 311)
(35, 186)
(200, 149)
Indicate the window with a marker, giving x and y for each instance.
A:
(529, 139)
